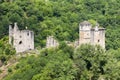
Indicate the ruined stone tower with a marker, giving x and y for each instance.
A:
(51, 42)
(22, 40)
(90, 35)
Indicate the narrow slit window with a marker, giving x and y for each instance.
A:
(28, 33)
(98, 40)
(20, 42)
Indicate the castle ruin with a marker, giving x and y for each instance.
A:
(90, 35)
(22, 40)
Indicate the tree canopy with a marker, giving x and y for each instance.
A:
(61, 18)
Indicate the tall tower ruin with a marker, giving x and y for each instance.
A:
(84, 32)
(22, 40)
(90, 35)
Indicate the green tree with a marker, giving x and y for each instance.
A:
(90, 60)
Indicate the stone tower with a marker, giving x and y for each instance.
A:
(84, 32)
(94, 36)
(22, 40)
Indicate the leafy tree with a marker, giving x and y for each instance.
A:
(90, 60)
(6, 50)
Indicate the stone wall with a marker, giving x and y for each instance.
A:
(89, 35)
(22, 40)
(51, 42)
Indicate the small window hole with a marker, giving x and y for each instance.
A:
(20, 42)
(98, 40)
(28, 34)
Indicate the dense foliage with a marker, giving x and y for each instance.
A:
(61, 18)
(6, 50)
(87, 63)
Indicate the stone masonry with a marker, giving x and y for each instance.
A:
(22, 40)
(51, 42)
(90, 35)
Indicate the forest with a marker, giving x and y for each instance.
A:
(61, 19)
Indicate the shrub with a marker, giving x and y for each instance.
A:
(9, 70)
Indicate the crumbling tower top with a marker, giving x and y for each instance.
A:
(85, 25)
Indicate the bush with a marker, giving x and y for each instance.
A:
(9, 70)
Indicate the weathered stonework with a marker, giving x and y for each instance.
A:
(51, 42)
(76, 43)
(94, 36)
(22, 40)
